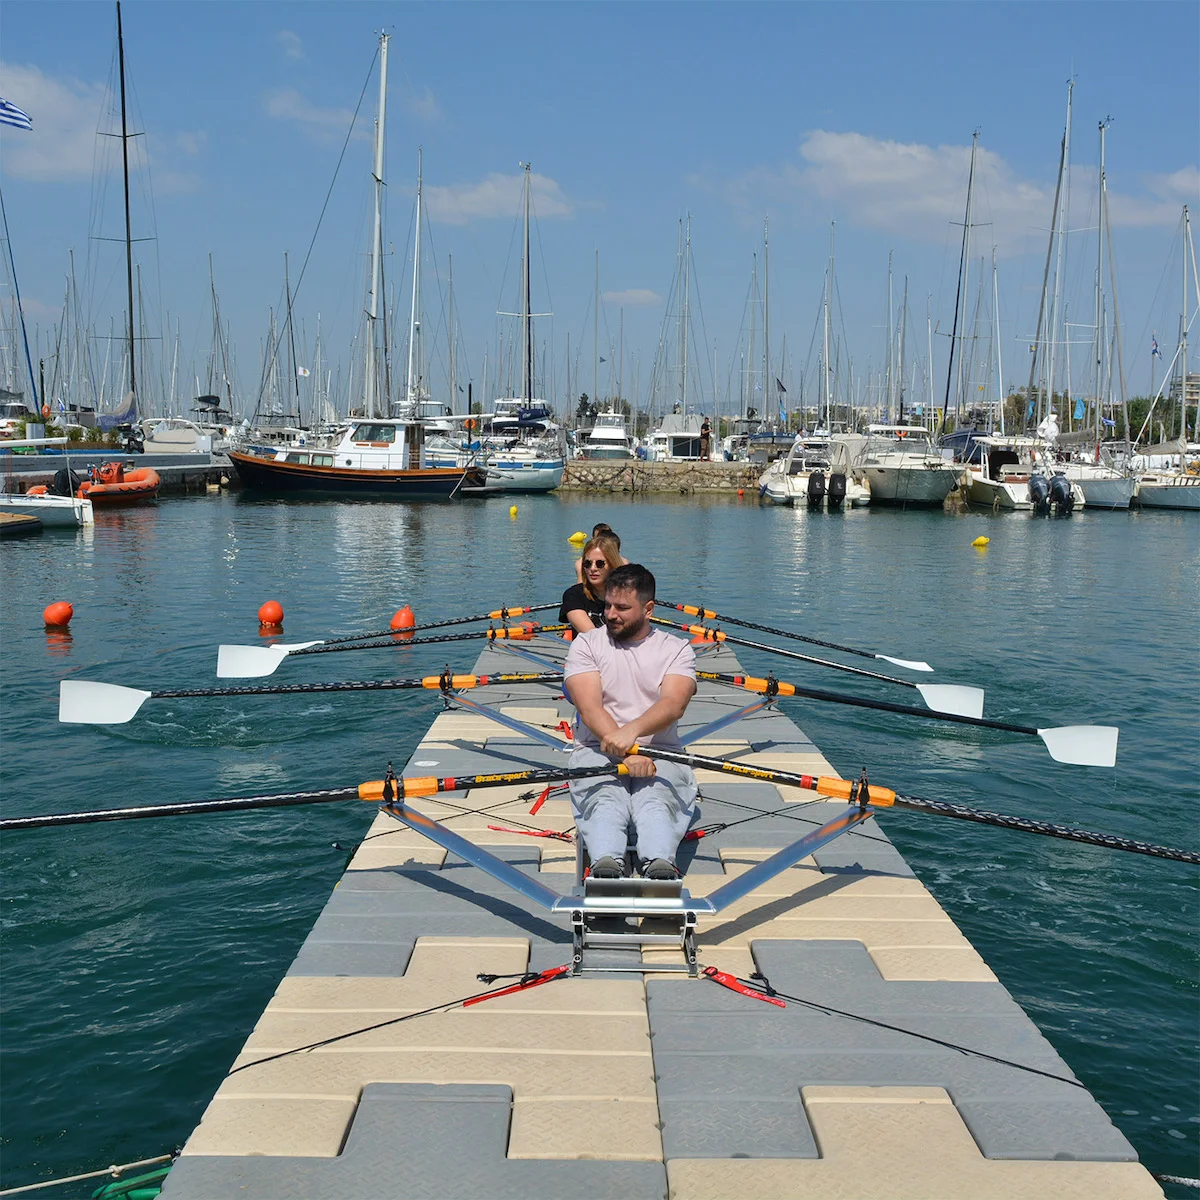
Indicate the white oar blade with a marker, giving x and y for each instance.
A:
(952, 698)
(252, 662)
(1082, 745)
(81, 702)
(907, 664)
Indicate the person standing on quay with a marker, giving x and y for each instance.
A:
(705, 439)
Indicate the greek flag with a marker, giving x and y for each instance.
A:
(10, 114)
(1154, 350)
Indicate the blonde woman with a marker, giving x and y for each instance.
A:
(583, 603)
(601, 530)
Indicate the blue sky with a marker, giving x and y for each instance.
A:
(632, 116)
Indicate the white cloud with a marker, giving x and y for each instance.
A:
(495, 196)
(192, 143)
(287, 104)
(633, 298)
(290, 44)
(65, 115)
(423, 106)
(916, 191)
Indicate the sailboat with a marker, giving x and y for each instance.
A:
(378, 455)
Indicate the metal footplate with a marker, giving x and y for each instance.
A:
(612, 914)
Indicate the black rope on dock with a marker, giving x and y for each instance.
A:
(1029, 825)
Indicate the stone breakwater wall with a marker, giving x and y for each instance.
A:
(636, 477)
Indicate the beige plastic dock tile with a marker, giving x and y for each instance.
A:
(547, 717)
(452, 726)
(550, 1127)
(340, 1074)
(312, 1127)
(460, 1031)
(962, 964)
(906, 1144)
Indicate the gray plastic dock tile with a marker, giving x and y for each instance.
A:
(419, 1142)
(718, 1050)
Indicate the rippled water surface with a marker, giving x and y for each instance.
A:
(137, 956)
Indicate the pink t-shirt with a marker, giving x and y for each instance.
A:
(631, 674)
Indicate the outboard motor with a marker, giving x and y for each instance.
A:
(816, 489)
(1039, 494)
(1061, 496)
(837, 489)
(135, 440)
(66, 482)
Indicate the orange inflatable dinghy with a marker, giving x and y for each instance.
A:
(111, 484)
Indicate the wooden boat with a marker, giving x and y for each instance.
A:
(374, 458)
(112, 485)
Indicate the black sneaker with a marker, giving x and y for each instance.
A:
(660, 868)
(607, 867)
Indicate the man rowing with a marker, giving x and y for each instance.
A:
(630, 683)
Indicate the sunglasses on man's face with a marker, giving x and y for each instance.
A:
(594, 562)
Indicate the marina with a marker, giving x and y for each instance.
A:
(374, 823)
(1088, 942)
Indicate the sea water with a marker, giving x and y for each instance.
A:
(136, 956)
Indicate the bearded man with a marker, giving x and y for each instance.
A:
(630, 684)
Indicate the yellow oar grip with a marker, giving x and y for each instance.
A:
(841, 789)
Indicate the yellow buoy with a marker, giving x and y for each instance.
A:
(980, 542)
(577, 538)
(512, 512)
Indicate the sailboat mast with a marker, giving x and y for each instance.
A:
(960, 295)
(414, 320)
(1000, 397)
(596, 340)
(826, 375)
(128, 225)
(687, 296)
(287, 289)
(888, 373)
(453, 331)
(900, 354)
(526, 306)
(370, 381)
(1100, 315)
(767, 378)
(1183, 328)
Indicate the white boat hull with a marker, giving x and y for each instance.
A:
(54, 512)
(787, 490)
(909, 485)
(1115, 492)
(510, 476)
(1169, 491)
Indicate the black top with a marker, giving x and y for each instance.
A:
(576, 597)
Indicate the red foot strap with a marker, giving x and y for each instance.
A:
(542, 833)
(526, 983)
(736, 985)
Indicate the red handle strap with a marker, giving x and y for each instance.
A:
(526, 983)
(734, 984)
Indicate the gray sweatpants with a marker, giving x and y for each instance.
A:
(660, 808)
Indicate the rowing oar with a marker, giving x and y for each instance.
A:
(881, 797)
(504, 615)
(941, 697)
(251, 662)
(83, 702)
(706, 614)
(376, 791)
(1081, 745)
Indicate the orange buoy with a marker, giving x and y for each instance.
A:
(403, 622)
(741, 491)
(58, 614)
(271, 613)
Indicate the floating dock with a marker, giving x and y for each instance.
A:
(627, 1081)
